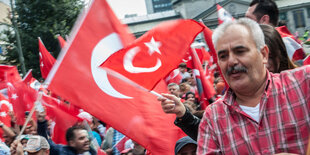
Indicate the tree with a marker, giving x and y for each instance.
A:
(45, 19)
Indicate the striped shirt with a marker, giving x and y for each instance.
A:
(284, 119)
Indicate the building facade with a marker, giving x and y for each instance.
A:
(155, 6)
(295, 13)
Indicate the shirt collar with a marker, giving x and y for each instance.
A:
(230, 97)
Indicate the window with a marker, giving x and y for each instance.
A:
(283, 16)
(299, 18)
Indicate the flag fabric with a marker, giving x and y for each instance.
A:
(174, 77)
(155, 54)
(78, 78)
(61, 41)
(202, 54)
(5, 107)
(63, 116)
(46, 59)
(32, 82)
(223, 15)
(294, 49)
(8, 74)
(120, 145)
(205, 87)
(22, 98)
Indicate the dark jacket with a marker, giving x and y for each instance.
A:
(57, 149)
(189, 123)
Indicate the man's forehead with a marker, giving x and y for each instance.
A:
(80, 132)
(235, 33)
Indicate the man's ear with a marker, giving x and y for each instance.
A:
(265, 54)
(264, 20)
(71, 143)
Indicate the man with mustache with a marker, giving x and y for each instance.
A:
(262, 112)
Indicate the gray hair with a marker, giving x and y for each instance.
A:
(174, 84)
(253, 27)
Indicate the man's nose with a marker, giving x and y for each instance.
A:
(232, 60)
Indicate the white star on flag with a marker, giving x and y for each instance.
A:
(3, 114)
(153, 46)
(14, 96)
(42, 64)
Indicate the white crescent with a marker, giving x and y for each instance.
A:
(102, 51)
(7, 103)
(132, 69)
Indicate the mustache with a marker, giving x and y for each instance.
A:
(236, 69)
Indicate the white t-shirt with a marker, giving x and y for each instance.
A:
(251, 111)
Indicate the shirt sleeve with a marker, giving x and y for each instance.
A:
(207, 141)
(189, 123)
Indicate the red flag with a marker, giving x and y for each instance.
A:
(156, 53)
(61, 41)
(120, 145)
(22, 98)
(46, 59)
(205, 87)
(8, 74)
(5, 107)
(293, 46)
(174, 77)
(100, 152)
(63, 117)
(78, 78)
(223, 15)
(188, 58)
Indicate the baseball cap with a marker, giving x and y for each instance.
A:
(182, 142)
(36, 143)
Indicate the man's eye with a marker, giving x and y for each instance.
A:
(222, 56)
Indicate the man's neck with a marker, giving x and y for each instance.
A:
(251, 98)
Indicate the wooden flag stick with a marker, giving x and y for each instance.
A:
(30, 114)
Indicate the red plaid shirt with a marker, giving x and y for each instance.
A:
(284, 119)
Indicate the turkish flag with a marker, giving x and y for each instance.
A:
(294, 49)
(205, 87)
(62, 115)
(174, 77)
(8, 74)
(61, 41)
(202, 54)
(46, 59)
(155, 54)
(22, 98)
(5, 107)
(223, 15)
(79, 79)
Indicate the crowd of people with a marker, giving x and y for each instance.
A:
(262, 103)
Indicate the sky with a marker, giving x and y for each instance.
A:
(122, 7)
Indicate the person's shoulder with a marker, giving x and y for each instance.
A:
(216, 108)
(299, 73)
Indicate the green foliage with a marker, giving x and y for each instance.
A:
(40, 18)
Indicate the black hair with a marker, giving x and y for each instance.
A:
(266, 7)
(70, 132)
(188, 93)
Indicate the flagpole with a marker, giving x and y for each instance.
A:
(38, 101)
